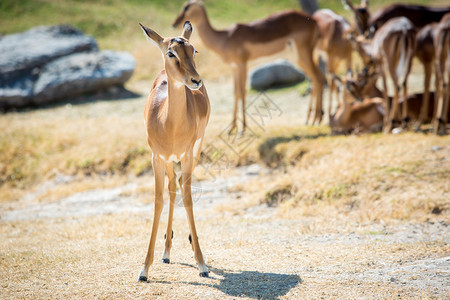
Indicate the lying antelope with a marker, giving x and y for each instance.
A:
(241, 43)
(356, 117)
(364, 86)
(176, 115)
(391, 51)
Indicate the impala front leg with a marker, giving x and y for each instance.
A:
(158, 168)
(172, 194)
(187, 164)
(387, 126)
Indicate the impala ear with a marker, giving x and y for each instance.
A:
(347, 5)
(365, 3)
(336, 79)
(349, 74)
(187, 30)
(152, 35)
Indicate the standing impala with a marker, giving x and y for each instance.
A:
(442, 57)
(176, 115)
(391, 51)
(241, 43)
(332, 42)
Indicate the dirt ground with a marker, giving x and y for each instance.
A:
(92, 243)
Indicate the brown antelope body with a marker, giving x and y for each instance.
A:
(333, 44)
(176, 115)
(364, 86)
(442, 57)
(391, 51)
(353, 116)
(241, 43)
(425, 52)
(419, 15)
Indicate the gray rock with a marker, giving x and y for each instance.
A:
(82, 73)
(44, 64)
(279, 73)
(23, 52)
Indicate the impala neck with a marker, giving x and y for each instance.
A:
(366, 50)
(176, 101)
(343, 115)
(210, 37)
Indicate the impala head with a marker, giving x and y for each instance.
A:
(178, 56)
(348, 88)
(363, 46)
(361, 14)
(191, 11)
(364, 82)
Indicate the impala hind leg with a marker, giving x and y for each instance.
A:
(405, 118)
(426, 97)
(172, 193)
(240, 79)
(158, 168)
(187, 167)
(306, 63)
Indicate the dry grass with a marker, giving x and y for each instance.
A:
(345, 209)
(353, 203)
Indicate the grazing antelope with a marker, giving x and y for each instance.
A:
(241, 43)
(176, 115)
(419, 15)
(356, 117)
(333, 44)
(442, 47)
(391, 51)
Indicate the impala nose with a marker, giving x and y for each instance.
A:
(197, 82)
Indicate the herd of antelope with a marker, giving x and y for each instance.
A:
(178, 108)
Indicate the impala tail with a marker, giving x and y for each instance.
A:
(407, 48)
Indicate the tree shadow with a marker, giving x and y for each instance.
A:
(248, 284)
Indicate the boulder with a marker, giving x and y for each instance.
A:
(82, 73)
(22, 52)
(48, 63)
(279, 73)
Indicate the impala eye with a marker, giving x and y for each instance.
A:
(170, 54)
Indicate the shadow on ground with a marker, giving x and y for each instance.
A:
(249, 284)
(267, 149)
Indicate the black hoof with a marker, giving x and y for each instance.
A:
(142, 279)
(204, 274)
(165, 261)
